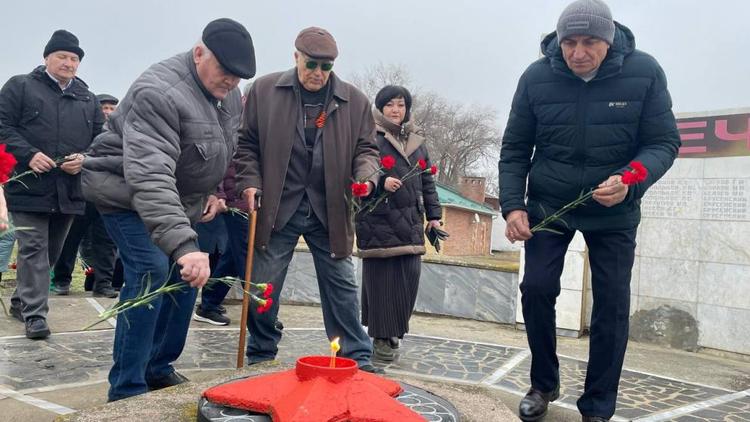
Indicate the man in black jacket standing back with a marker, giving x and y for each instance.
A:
(46, 116)
(580, 115)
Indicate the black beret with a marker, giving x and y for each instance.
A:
(106, 98)
(63, 40)
(317, 43)
(232, 45)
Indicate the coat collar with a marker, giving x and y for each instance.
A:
(188, 57)
(340, 89)
(78, 89)
(413, 133)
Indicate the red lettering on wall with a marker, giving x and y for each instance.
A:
(723, 134)
(715, 135)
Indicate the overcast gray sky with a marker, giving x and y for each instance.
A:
(468, 51)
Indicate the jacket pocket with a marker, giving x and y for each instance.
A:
(30, 115)
(200, 132)
(208, 150)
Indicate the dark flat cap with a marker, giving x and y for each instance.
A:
(317, 43)
(106, 98)
(63, 40)
(232, 45)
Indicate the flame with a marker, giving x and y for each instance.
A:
(335, 347)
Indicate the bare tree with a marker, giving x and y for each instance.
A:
(372, 79)
(461, 139)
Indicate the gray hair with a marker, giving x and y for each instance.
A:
(203, 47)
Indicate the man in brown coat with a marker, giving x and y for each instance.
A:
(305, 136)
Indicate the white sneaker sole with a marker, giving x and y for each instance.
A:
(210, 321)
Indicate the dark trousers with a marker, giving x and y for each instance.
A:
(97, 250)
(38, 248)
(611, 256)
(231, 263)
(336, 282)
(147, 338)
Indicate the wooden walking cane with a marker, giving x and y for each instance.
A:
(246, 290)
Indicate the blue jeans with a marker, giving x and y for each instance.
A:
(147, 340)
(231, 263)
(6, 248)
(336, 281)
(212, 236)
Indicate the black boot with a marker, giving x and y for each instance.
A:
(395, 342)
(381, 350)
(534, 406)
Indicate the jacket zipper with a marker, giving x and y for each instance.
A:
(580, 148)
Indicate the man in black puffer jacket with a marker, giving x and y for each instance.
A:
(580, 114)
(46, 116)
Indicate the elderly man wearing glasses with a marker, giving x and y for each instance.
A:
(305, 135)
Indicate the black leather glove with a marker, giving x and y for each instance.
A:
(435, 235)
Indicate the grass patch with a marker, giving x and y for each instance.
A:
(8, 283)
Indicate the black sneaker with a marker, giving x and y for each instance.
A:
(37, 328)
(368, 367)
(221, 309)
(106, 291)
(15, 312)
(211, 317)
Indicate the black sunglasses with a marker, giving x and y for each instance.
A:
(325, 66)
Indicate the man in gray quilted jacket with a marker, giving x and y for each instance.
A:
(151, 175)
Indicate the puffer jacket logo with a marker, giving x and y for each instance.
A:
(618, 104)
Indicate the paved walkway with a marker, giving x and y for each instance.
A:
(38, 378)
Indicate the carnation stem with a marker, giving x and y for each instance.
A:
(582, 198)
(18, 176)
(147, 297)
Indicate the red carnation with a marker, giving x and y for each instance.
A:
(7, 163)
(265, 305)
(89, 271)
(388, 162)
(321, 120)
(268, 291)
(422, 164)
(433, 170)
(636, 174)
(12, 266)
(359, 189)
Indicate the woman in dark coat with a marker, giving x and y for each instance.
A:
(390, 237)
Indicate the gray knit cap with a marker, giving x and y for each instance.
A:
(586, 17)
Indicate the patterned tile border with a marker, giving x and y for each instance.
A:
(82, 358)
